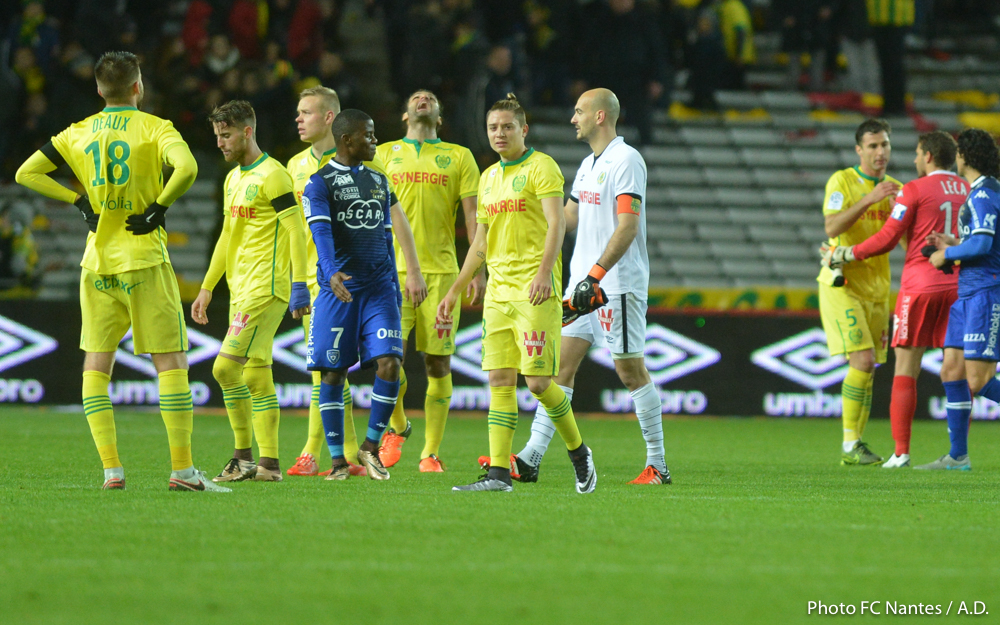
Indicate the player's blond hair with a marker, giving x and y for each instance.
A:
(511, 104)
(327, 97)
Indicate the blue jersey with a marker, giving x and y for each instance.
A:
(347, 209)
(979, 216)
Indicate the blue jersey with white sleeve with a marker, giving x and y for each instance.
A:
(347, 209)
(978, 216)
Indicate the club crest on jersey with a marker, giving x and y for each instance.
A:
(606, 316)
(601, 177)
(251, 192)
(535, 343)
(397, 148)
(239, 322)
(519, 182)
(443, 161)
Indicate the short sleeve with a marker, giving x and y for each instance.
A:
(984, 212)
(833, 199)
(316, 200)
(278, 183)
(630, 177)
(547, 178)
(469, 175)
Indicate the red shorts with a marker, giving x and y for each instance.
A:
(921, 319)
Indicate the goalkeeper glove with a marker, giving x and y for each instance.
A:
(153, 218)
(89, 216)
(948, 267)
(836, 257)
(588, 295)
(299, 298)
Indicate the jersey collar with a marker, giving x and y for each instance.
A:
(263, 157)
(116, 109)
(979, 181)
(518, 161)
(615, 141)
(417, 144)
(866, 176)
(342, 167)
(329, 153)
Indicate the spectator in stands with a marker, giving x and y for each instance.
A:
(547, 47)
(706, 57)
(221, 57)
(35, 31)
(26, 68)
(18, 252)
(332, 72)
(858, 47)
(890, 21)
(246, 24)
(737, 36)
(620, 48)
(806, 28)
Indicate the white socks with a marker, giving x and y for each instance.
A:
(542, 431)
(649, 411)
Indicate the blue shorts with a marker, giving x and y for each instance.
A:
(339, 332)
(974, 325)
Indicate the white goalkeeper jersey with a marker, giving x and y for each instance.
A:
(601, 179)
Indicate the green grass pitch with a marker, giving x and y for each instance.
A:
(760, 520)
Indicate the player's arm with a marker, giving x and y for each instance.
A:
(572, 212)
(476, 290)
(980, 240)
(288, 216)
(839, 220)
(34, 174)
(541, 286)
(316, 206)
(177, 155)
(883, 241)
(588, 294)
(216, 268)
(475, 260)
(415, 288)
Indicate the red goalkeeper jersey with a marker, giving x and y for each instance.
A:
(925, 205)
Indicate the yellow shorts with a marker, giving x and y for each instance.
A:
(432, 337)
(252, 327)
(517, 335)
(852, 324)
(146, 299)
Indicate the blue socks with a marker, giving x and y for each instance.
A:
(384, 396)
(959, 408)
(331, 410)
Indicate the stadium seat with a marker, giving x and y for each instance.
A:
(750, 216)
(676, 175)
(674, 155)
(697, 137)
(776, 233)
(754, 137)
(753, 198)
(745, 270)
(709, 156)
(712, 232)
(789, 198)
(815, 158)
(766, 157)
(730, 177)
(748, 252)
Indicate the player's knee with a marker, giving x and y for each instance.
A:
(632, 372)
(862, 361)
(388, 368)
(538, 385)
(333, 378)
(437, 366)
(258, 380)
(227, 372)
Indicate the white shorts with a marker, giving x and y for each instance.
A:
(620, 326)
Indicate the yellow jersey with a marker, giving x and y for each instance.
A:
(300, 167)
(258, 262)
(867, 279)
(510, 203)
(430, 179)
(118, 156)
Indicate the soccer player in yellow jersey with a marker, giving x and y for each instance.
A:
(262, 239)
(520, 235)
(855, 316)
(432, 179)
(318, 107)
(127, 279)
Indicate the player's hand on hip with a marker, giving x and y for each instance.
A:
(298, 303)
(447, 305)
(476, 290)
(541, 288)
(415, 289)
(199, 308)
(152, 218)
(337, 285)
(883, 190)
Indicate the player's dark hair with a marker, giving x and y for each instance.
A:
(979, 151)
(510, 103)
(872, 125)
(349, 122)
(116, 72)
(941, 146)
(235, 114)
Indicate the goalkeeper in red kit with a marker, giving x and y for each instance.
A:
(926, 205)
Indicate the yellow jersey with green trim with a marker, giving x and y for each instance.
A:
(867, 279)
(300, 167)
(118, 156)
(430, 179)
(258, 262)
(510, 204)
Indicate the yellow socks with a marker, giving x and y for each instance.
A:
(229, 374)
(398, 420)
(559, 409)
(866, 407)
(436, 406)
(502, 420)
(315, 439)
(350, 434)
(177, 412)
(854, 392)
(101, 416)
(266, 413)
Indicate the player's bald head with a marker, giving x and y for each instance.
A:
(602, 100)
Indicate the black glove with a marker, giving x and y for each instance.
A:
(588, 295)
(89, 216)
(948, 267)
(153, 218)
(570, 314)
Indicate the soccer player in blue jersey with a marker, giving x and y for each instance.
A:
(352, 213)
(974, 320)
